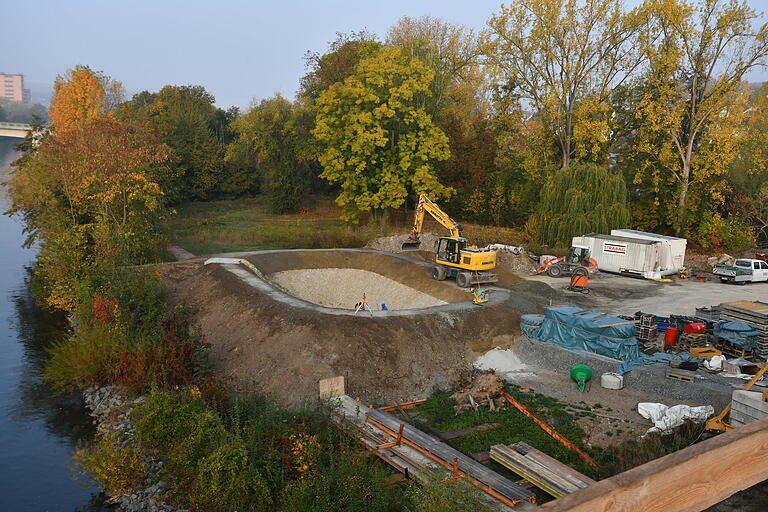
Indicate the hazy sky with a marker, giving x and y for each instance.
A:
(237, 50)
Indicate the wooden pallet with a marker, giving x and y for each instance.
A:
(681, 375)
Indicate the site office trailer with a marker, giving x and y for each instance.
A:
(672, 248)
(624, 255)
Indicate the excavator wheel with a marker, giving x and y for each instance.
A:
(555, 270)
(463, 279)
(438, 273)
(581, 271)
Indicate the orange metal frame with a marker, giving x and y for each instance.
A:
(549, 430)
(452, 466)
(406, 405)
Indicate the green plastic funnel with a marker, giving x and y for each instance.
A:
(582, 374)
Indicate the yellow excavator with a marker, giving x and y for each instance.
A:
(453, 257)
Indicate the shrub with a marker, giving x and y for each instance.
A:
(86, 358)
(443, 494)
(733, 234)
(182, 427)
(116, 467)
(348, 483)
(225, 481)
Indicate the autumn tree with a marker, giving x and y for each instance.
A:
(271, 133)
(82, 95)
(87, 195)
(564, 58)
(380, 142)
(693, 89)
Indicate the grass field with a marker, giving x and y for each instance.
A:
(246, 224)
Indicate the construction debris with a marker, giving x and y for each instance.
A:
(484, 391)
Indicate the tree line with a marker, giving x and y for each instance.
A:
(560, 117)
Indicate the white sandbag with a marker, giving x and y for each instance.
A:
(666, 418)
(715, 363)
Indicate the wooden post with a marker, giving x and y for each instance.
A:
(689, 480)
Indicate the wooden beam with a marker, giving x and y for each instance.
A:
(689, 480)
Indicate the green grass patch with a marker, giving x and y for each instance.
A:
(246, 224)
(437, 414)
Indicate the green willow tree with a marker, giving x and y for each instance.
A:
(581, 198)
(380, 143)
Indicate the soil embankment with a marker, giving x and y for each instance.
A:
(262, 344)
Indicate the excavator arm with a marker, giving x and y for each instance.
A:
(425, 205)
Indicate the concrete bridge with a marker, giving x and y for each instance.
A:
(16, 130)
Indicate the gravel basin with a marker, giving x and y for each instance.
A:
(344, 287)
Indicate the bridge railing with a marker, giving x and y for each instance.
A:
(18, 126)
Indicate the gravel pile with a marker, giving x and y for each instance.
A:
(394, 243)
(344, 287)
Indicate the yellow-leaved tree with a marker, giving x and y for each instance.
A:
(380, 143)
(693, 99)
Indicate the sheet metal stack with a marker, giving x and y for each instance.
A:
(751, 313)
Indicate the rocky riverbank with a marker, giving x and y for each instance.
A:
(111, 411)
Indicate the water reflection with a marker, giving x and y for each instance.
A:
(39, 428)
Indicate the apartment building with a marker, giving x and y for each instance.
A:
(12, 88)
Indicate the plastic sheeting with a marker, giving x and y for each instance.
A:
(738, 333)
(530, 325)
(666, 418)
(583, 332)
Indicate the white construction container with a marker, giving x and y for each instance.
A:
(672, 248)
(624, 255)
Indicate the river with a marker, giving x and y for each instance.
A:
(39, 428)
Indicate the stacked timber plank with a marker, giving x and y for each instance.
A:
(418, 454)
(351, 415)
(450, 456)
(752, 313)
(540, 469)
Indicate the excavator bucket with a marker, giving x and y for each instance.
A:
(410, 244)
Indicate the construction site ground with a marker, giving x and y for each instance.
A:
(625, 295)
(279, 339)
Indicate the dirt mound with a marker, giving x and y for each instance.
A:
(394, 243)
(265, 345)
(344, 287)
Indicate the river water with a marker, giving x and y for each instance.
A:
(39, 428)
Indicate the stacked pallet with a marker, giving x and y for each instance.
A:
(751, 313)
(420, 455)
(647, 331)
(540, 469)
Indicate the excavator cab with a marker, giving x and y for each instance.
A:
(449, 249)
(578, 255)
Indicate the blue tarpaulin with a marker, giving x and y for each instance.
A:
(738, 333)
(573, 328)
(561, 325)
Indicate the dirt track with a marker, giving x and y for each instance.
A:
(262, 344)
